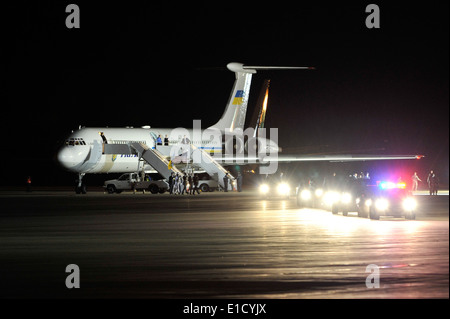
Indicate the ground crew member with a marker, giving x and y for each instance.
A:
(171, 180)
(195, 185)
(433, 183)
(29, 184)
(159, 140)
(184, 185)
(166, 140)
(239, 182)
(225, 182)
(105, 141)
(191, 184)
(415, 181)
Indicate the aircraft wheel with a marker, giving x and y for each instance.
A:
(411, 216)
(361, 213)
(334, 209)
(80, 189)
(299, 203)
(373, 214)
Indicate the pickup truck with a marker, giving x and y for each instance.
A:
(206, 184)
(131, 181)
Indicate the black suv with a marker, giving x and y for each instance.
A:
(387, 199)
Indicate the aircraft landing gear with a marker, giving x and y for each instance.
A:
(80, 188)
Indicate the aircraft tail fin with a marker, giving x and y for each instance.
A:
(236, 109)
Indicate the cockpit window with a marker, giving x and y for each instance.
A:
(74, 141)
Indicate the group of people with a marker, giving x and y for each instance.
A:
(188, 183)
(432, 181)
(227, 179)
(179, 185)
(159, 140)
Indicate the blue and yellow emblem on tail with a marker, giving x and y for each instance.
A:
(114, 157)
(238, 99)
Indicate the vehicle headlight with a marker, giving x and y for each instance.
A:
(319, 192)
(283, 189)
(331, 197)
(346, 198)
(368, 202)
(409, 203)
(264, 188)
(382, 204)
(305, 194)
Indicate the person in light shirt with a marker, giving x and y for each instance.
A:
(415, 181)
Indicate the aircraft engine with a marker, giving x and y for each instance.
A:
(261, 145)
(233, 145)
(254, 145)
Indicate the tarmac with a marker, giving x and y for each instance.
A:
(215, 245)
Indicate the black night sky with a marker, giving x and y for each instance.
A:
(375, 91)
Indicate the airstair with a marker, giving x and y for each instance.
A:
(154, 158)
(158, 160)
(202, 158)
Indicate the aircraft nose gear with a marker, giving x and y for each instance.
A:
(80, 188)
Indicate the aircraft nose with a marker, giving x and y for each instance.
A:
(71, 158)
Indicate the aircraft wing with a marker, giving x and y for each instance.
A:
(305, 158)
(338, 158)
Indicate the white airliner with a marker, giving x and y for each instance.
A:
(84, 150)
